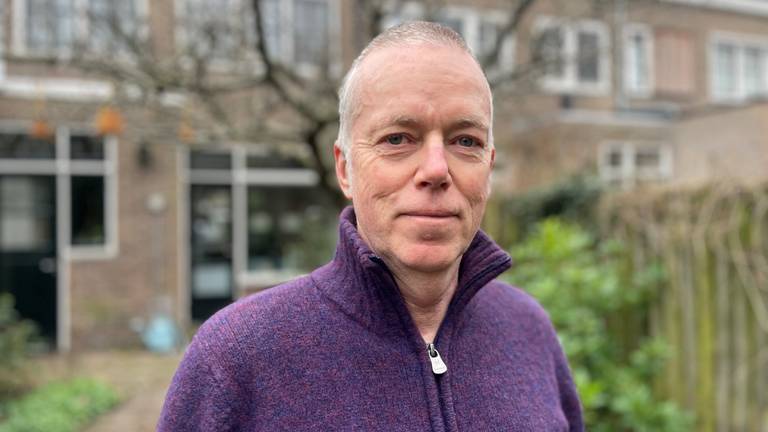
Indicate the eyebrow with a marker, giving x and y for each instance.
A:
(469, 123)
(406, 121)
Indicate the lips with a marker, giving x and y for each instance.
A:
(432, 213)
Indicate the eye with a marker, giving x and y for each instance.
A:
(395, 139)
(466, 141)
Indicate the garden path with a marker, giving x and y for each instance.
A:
(140, 378)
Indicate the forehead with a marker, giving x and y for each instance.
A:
(417, 78)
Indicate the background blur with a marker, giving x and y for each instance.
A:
(161, 158)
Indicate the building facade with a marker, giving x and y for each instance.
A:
(110, 216)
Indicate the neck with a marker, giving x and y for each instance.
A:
(427, 296)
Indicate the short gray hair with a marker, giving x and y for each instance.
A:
(407, 33)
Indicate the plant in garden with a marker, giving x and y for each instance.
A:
(15, 338)
(585, 288)
(59, 407)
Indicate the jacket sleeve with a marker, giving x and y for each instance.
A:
(201, 397)
(569, 397)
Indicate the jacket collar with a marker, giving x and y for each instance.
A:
(361, 285)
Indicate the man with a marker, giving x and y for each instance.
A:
(405, 330)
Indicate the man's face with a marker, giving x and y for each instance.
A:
(420, 162)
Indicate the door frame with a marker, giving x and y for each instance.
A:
(63, 169)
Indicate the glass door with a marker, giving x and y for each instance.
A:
(211, 249)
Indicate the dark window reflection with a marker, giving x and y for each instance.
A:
(88, 210)
(289, 228)
(86, 147)
(22, 146)
(210, 160)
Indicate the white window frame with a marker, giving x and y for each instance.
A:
(570, 83)
(741, 43)
(61, 165)
(239, 177)
(80, 27)
(628, 174)
(630, 61)
(471, 18)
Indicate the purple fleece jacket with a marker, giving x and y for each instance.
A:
(337, 350)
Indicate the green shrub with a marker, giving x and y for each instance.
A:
(15, 338)
(585, 288)
(59, 407)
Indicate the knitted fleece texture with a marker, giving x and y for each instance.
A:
(337, 350)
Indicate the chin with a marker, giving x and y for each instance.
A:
(430, 259)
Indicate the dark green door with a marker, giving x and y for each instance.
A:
(28, 247)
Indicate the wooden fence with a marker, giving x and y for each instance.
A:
(712, 308)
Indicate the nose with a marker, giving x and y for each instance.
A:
(433, 167)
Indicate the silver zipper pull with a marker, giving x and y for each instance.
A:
(438, 366)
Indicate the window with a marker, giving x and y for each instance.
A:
(49, 26)
(638, 58)
(59, 27)
(479, 28)
(269, 196)
(627, 164)
(311, 27)
(87, 210)
(111, 25)
(284, 228)
(573, 57)
(222, 30)
(299, 32)
(739, 67)
(86, 164)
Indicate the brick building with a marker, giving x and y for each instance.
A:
(100, 231)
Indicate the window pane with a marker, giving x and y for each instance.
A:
(26, 207)
(88, 210)
(86, 147)
(647, 158)
(638, 67)
(289, 228)
(49, 25)
(216, 29)
(725, 69)
(270, 17)
(311, 32)
(588, 57)
(21, 146)
(210, 160)
(754, 71)
(548, 52)
(614, 158)
(112, 24)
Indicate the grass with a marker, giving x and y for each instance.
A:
(64, 406)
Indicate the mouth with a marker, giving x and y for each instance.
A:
(431, 214)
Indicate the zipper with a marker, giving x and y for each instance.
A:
(438, 365)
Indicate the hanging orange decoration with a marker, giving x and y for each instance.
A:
(41, 130)
(109, 121)
(185, 132)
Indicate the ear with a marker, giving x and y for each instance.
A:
(342, 170)
(493, 157)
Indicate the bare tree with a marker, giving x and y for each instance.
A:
(234, 84)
